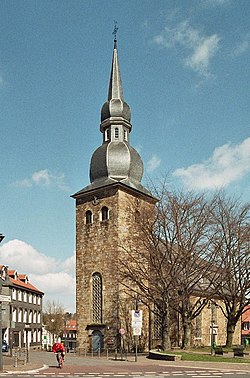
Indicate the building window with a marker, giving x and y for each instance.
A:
(20, 313)
(116, 133)
(125, 135)
(14, 315)
(25, 316)
(34, 299)
(19, 295)
(105, 213)
(25, 296)
(88, 217)
(107, 135)
(157, 325)
(39, 300)
(30, 316)
(14, 294)
(246, 326)
(30, 298)
(97, 298)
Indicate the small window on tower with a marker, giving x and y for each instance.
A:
(105, 213)
(116, 133)
(107, 135)
(88, 217)
(125, 134)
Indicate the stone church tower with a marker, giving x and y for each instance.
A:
(105, 220)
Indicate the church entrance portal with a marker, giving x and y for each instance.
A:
(96, 341)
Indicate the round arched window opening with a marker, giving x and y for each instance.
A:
(104, 213)
(89, 217)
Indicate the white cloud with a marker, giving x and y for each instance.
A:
(55, 278)
(153, 163)
(200, 59)
(43, 178)
(20, 255)
(200, 48)
(228, 164)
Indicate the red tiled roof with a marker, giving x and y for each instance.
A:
(11, 272)
(71, 325)
(20, 280)
(24, 285)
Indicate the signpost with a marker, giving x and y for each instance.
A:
(122, 333)
(137, 326)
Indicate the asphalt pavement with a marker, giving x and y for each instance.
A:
(44, 362)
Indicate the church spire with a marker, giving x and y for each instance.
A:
(115, 83)
(115, 161)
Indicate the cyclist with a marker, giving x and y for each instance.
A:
(59, 350)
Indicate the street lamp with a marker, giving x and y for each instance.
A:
(212, 305)
(1, 353)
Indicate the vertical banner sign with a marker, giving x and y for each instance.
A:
(137, 322)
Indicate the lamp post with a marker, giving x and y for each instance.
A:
(1, 353)
(212, 305)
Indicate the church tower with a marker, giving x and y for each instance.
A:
(105, 220)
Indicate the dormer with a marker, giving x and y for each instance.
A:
(13, 274)
(24, 278)
(3, 271)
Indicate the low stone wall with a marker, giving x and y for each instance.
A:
(155, 355)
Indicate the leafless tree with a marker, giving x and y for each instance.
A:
(231, 229)
(185, 235)
(53, 318)
(168, 270)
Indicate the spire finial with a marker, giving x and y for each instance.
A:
(115, 33)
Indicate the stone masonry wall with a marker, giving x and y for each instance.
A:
(97, 248)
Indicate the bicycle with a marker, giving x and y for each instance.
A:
(60, 359)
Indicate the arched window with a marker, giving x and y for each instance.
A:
(97, 298)
(125, 135)
(88, 217)
(105, 213)
(107, 134)
(116, 133)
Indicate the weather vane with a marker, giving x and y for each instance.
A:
(115, 31)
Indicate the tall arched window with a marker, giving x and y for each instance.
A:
(104, 213)
(88, 217)
(97, 298)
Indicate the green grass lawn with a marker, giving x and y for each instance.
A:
(189, 356)
(205, 356)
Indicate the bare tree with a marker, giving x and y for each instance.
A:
(231, 241)
(144, 270)
(53, 318)
(169, 268)
(185, 236)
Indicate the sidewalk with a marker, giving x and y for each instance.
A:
(41, 360)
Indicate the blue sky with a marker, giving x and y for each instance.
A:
(185, 73)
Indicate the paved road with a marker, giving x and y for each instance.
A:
(87, 367)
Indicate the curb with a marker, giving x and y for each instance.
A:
(25, 371)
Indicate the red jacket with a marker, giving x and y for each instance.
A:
(58, 347)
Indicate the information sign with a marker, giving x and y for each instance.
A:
(5, 298)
